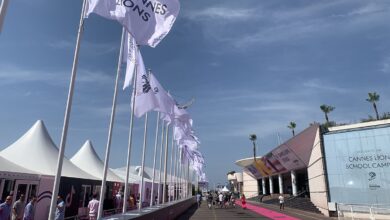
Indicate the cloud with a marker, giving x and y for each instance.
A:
(278, 106)
(90, 47)
(16, 75)
(266, 25)
(120, 110)
(385, 65)
(321, 85)
(221, 13)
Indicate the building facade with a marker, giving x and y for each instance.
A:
(347, 164)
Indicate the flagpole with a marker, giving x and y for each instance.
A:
(159, 175)
(112, 120)
(141, 188)
(179, 190)
(3, 11)
(189, 184)
(174, 175)
(56, 186)
(165, 163)
(154, 159)
(188, 178)
(178, 172)
(170, 167)
(185, 179)
(129, 146)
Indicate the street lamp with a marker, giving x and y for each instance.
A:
(253, 138)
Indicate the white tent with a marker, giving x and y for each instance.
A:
(133, 177)
(88, 160)
(36, 151)
(135, 173)
(225, 189)
(13, 171)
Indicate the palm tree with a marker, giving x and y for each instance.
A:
(253, 138)
(374, 98)
(327, 109)
(292, 126)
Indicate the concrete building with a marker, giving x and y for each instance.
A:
(347, 164)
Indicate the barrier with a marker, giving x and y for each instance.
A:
(361, 211)
(168, 211)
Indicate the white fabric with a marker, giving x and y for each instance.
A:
(88, 160)
(225, 189)
(8, 166)
(36, 151)
(129, 55)
(165, 102)
(149, 21)
(135, 176)
(150, 95)
(144, 98)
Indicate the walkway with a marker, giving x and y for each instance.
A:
(253, 211)
(203, 213)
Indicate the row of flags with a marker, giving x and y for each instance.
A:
(147, 22)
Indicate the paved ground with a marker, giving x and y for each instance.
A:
(203, 213)
(254, 211)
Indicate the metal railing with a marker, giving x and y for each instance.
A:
(363, 211)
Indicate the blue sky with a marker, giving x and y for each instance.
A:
(252, 66)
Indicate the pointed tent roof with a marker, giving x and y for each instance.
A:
(135, 173)
(9, 169)
(88, 160)
(133, 177)
(36, 151)
(225, 189)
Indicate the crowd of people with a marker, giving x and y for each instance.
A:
(218, 200)
(18, 210)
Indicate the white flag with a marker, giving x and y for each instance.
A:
(150, 95)
(144, 98)
(129, 55)
(149, 21)
(165, 102)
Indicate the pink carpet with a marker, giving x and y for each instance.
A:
(267, 212)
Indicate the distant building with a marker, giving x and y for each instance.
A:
(347, 164)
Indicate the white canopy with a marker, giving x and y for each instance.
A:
(135, 173)
(11, 170)
(133, 178)
(88, 160)
(36, 151)
(225, 189)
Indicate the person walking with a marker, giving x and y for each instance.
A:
(29, 209)
(93, 207)
(5, 208)
(18, 208)
(198, 199)
(220, 197)
(281, 202)
(118, 200)
(209, 200)
(60, 209)
(243, 201)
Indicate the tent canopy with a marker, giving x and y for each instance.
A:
(11, 170)
(225, 189)
(88, 160)
(36, 151)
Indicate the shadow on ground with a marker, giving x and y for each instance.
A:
(190, 212)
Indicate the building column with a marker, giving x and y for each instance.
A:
(280, 178)
(271, 185)
(263, 184)
(294, 182)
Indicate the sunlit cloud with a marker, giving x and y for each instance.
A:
(90, 47)
(219, 13)
(11, 74)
